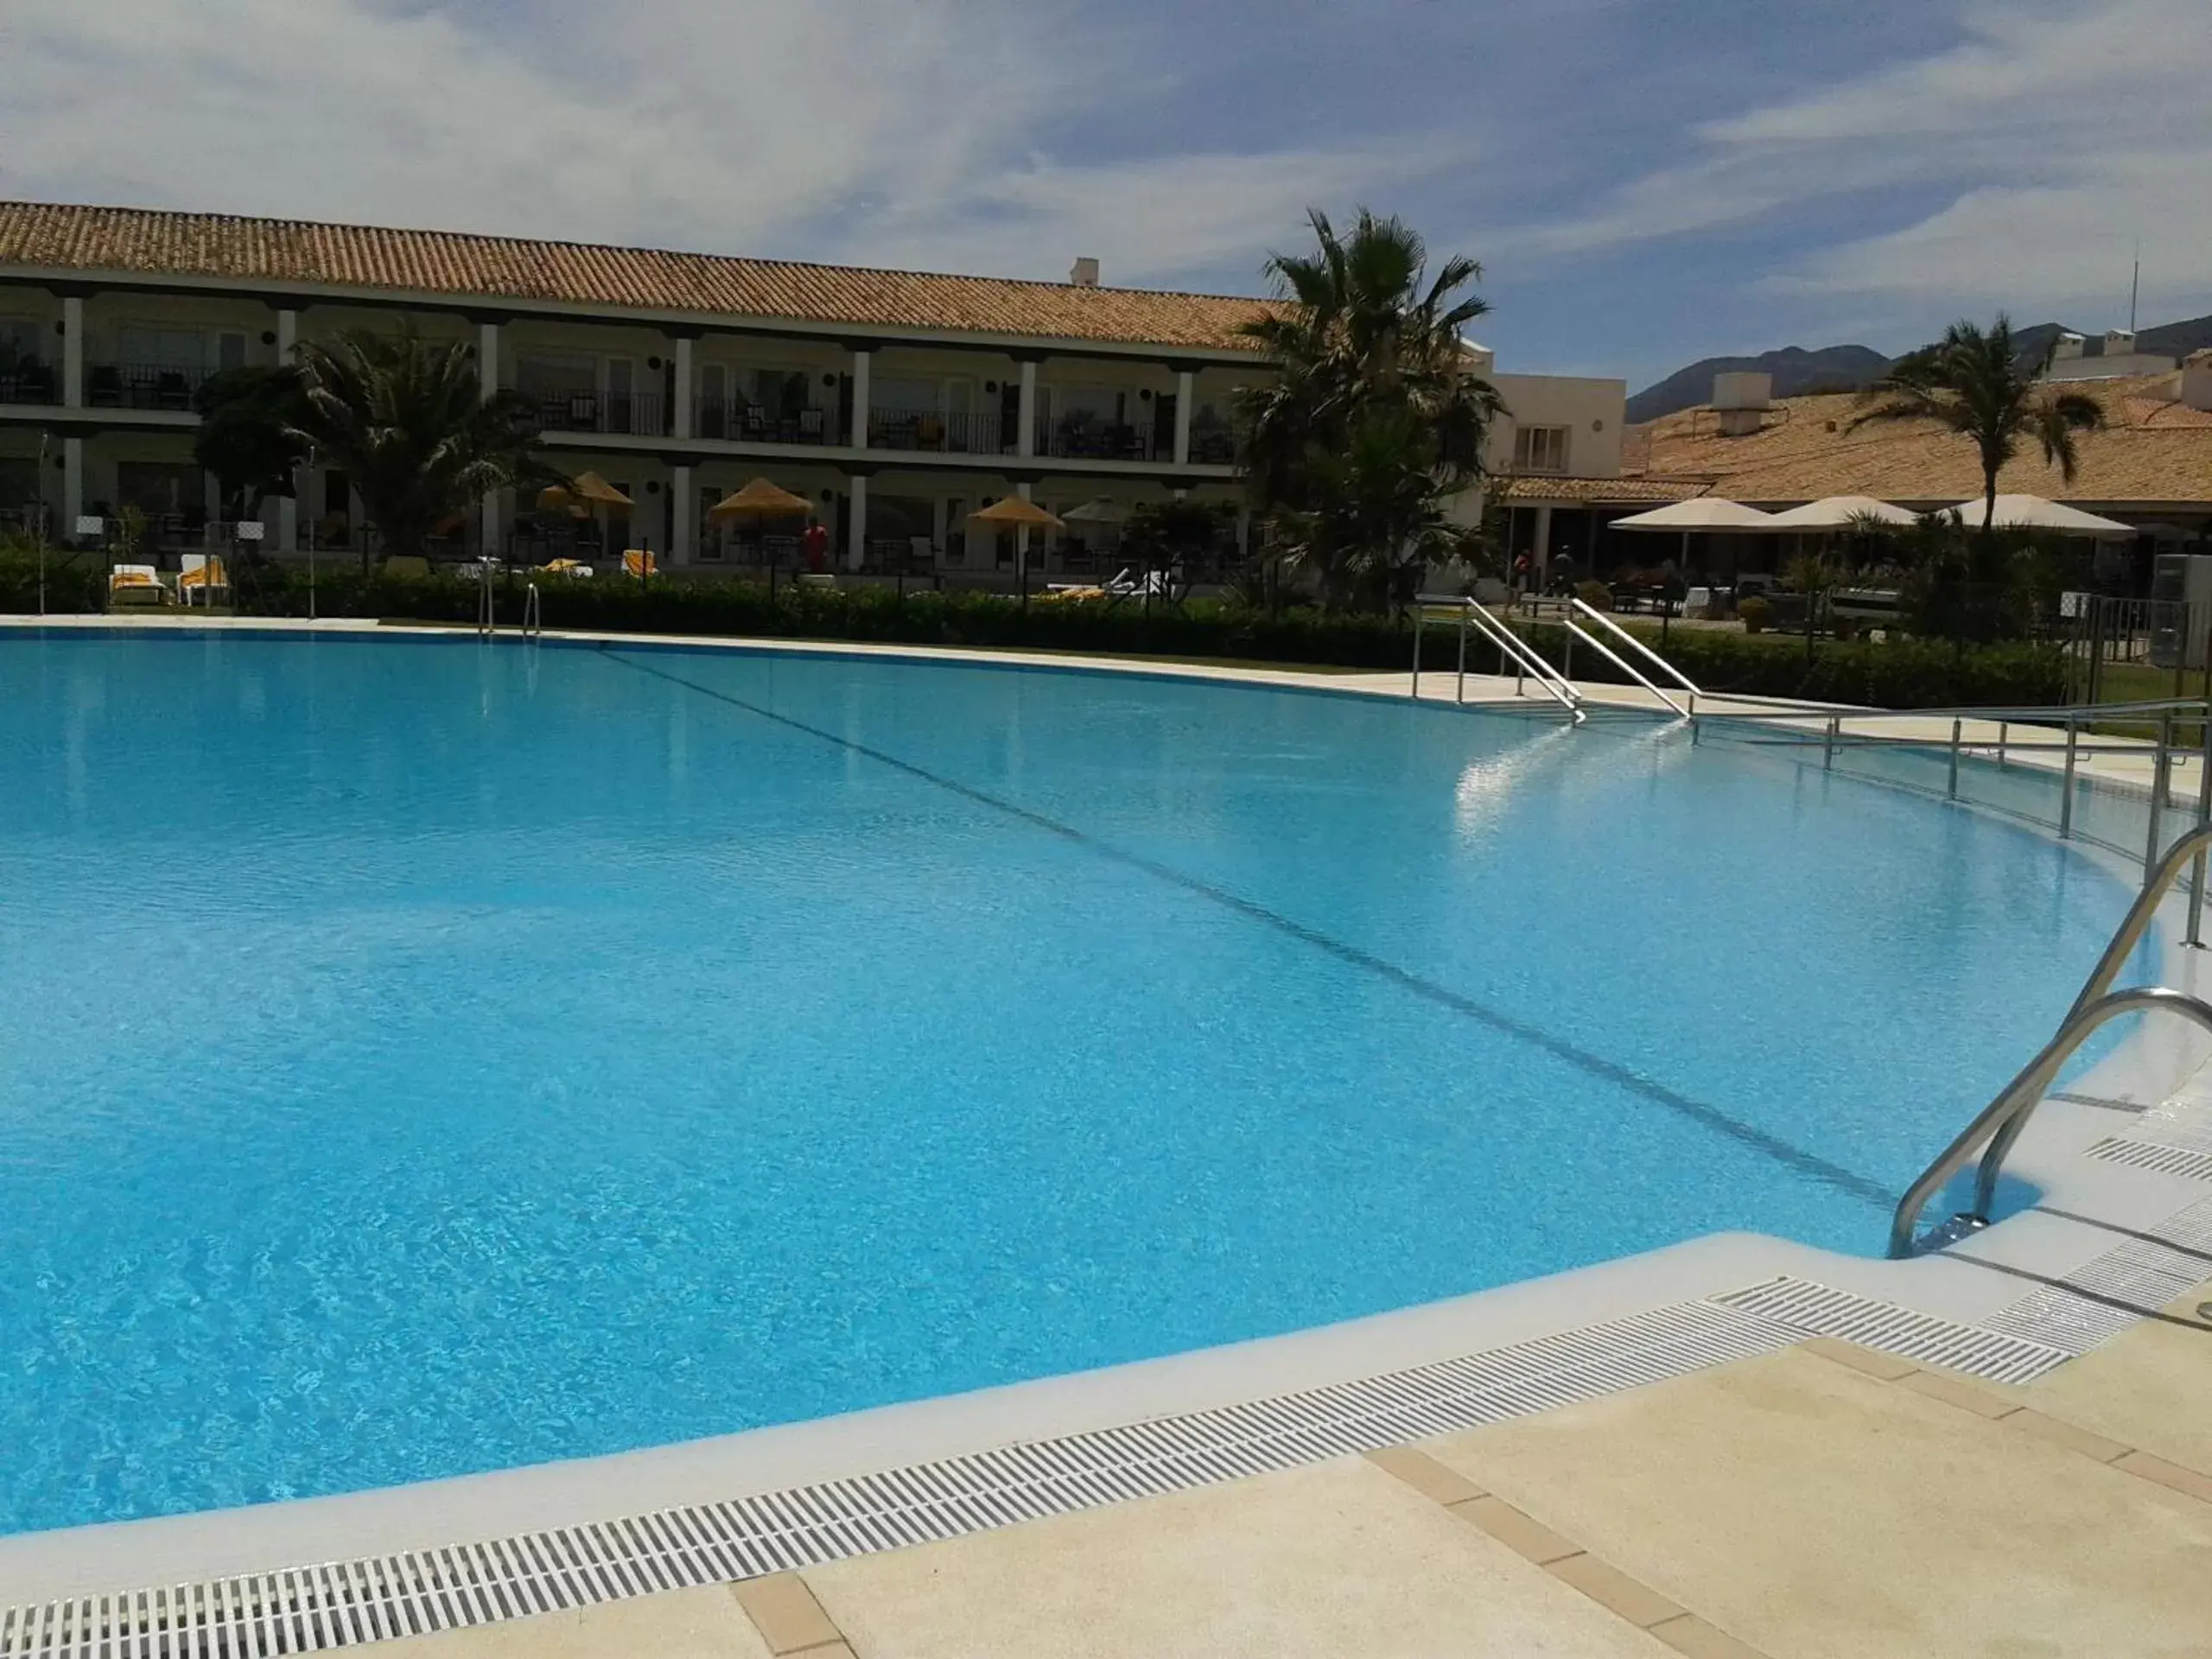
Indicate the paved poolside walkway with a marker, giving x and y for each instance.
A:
(1824, 1502)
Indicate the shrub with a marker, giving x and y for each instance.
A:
(1898, 674)
(1754, 611)
(72, 581)
(1595, 594)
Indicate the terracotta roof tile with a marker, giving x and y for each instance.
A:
(61, 238)
(2154, 450)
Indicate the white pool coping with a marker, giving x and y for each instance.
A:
(2148, 1067)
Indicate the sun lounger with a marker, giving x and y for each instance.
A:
(135, 584)
(203, 577)
(638, 563)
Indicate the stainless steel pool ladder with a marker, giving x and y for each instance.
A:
(1528, 662)
(1682, 682)
(531, 624)
(2000, 1123)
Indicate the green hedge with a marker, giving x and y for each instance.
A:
(73, 583)
(1899, 674)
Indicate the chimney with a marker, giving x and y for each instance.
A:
(2119, 342)
(2069, 347)
(1084, 273)
(1739, 399)
(2195, 380)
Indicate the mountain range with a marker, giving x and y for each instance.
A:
(1797, 372)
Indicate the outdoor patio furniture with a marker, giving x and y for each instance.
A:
(135, 584)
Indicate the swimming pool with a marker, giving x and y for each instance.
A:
(427, 1057)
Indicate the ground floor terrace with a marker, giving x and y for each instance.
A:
(909, 520)
(1572, 537)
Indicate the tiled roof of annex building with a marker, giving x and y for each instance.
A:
(138, 241)
(2153, 449)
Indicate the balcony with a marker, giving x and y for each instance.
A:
(928, 430)
(738, 420)
(142, 386)
(30, 382)
(636, 414)
(1086, 437)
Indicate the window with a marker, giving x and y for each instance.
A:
(1540, 450)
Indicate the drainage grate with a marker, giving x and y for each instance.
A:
(1815, 1310)
(2157, 1155)
(413, 1593)
(2144, 1273)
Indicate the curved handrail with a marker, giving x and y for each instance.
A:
(1575, 603)
(2019, 1097)
(1625, 666)
(1508, 642)
(2125, 938)
(532, 625)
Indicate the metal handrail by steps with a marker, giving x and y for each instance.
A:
(1682, 680)
(2000, 1122)
(1527, 660)
(2019, 1097)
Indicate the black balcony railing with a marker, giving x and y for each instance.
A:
(639, 414)
(1088, 438)
(29, 383)
(1216, 448)
(971, 434)
(142, 385)
(738, 420)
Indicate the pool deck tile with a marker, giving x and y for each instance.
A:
(786, 1614)
(2145, 1388)
(1813, 1510)
(1612, 1589)
(701, 1623)
(1334, 1558)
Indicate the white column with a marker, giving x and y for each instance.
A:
(858, 438)
(856, 528)
(287, 506)
(682, 510)
(679, 424)
(73, 353)
(73, 484)
(1185, 390)
(487, 387)
(1025, 441)
(1543, 547)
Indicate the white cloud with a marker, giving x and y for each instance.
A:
(880, 131)
(2053, 137)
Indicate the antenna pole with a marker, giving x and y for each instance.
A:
(2135, 285)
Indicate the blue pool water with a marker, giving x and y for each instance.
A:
(425, 1057)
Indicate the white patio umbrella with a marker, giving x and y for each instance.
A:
(2034, 512)
(1100, 511)
(1699, 512)
(1710, 514)
(1841, 512)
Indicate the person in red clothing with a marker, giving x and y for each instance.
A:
(815, 546)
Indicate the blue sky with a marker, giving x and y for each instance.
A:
(1646, 181)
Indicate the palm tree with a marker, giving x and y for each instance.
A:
(1371, 373)
(407, 421)
(1978, 385)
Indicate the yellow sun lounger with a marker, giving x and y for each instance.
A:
(135, 584)
(201, 575)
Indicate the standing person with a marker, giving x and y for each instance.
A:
(815, 546)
